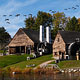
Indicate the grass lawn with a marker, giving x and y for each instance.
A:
(35, 61)
(69, 64)
(1, 51)
(52, 62)
(11, 59)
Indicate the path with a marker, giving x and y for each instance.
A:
(45, 63)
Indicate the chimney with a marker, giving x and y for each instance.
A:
(48, 34)
(41, 35)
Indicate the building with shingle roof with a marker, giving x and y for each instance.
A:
(65, 44)
(24, 41)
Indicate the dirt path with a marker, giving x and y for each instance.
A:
(45, 63)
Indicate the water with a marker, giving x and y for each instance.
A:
(63, 76)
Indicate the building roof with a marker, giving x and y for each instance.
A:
(69, 36)
(32, 34)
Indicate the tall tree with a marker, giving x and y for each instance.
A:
(4, 37)
(59, 19)
(30, 22)
(72, 25)
(59, 22)
(44, 19)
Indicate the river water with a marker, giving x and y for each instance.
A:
(61, 76)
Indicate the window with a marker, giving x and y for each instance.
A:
(58, 39)
(55, 54)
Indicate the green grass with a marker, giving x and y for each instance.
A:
(1, 51)
(35, 61)
(69, 64)
(11, 59)
(52, 62)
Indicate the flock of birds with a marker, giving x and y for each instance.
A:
(17, 15)
(73, 8)
(8, 20)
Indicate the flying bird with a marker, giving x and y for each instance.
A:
(4, 15)
(77, 5)
(53, 11)
(10, 15)
(69, 8)
(8, 22)
(74, 8)
(30, 14)
(6, 19)
(50, 10)
(17, 15)
(65, 9)
(25, 15)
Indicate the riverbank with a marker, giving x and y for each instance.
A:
(15, 64)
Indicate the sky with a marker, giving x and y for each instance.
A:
(26, 7)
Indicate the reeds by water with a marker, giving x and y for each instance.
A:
(38, 70)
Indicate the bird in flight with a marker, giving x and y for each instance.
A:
(4, 15)
(53, 11)
(25, 15)
(8, 22)
(50, 10)
(6, 19)
(17, 15)
(77, 5)
(65, 9)
(10, 15)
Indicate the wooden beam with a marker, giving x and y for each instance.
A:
(25, 49)
(20, 49)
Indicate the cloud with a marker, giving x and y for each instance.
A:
(14, 5)
(10, 8)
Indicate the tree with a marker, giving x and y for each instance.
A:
(29, 22)
(4, 37)
(59, 19)
(59, 22)
(44, 19)
(72, 25)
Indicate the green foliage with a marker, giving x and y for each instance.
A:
(73, 25)
(4, 36)
(2, 51)
(59, 18)
(55, 31)
(42, 18)
(29, 22)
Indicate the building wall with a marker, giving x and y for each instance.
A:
(59, 47)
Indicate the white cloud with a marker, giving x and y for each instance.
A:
(10, 8)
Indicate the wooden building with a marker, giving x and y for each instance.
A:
(24, 41)
(66, 44)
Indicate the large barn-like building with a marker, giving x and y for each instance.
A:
(31, 41)
(66, 45)
(24, 41)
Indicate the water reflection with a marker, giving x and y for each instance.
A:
(64, 76)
